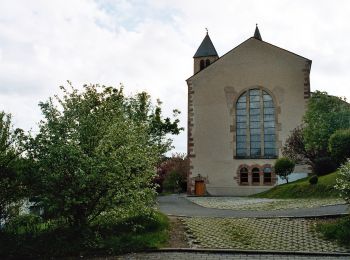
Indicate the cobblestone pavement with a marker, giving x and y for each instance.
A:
(244, 203)
(223, 256)
(275, 234)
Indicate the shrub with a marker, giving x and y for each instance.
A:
(338, 230)
(177, 163)
(313, 180)
(343, 181)
(339, 145)
(324, 165)
(284, 167)
(31, 237)
(172, 182)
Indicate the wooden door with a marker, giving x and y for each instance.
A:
(199, 188)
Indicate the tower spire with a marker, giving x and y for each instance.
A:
(205, 55)
(206, 48)
(257, 33)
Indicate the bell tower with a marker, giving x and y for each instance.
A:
(205, 55)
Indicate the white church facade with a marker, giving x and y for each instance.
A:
(241, 108)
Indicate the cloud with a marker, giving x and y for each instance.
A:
(148, 45)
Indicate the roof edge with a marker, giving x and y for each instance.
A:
(258, 41)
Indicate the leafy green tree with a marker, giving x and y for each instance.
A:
(11, 146)
(294, 148)
(339, 145)
(284, 167)
(96, 151)
(324, 115)
(140, 108)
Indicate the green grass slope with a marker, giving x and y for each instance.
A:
(303, 189)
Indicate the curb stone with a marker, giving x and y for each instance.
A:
(264, 217)
(249, 252)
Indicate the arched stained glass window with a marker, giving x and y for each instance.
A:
(255, 125)
(256, 175)
(243, 176)
(267, 175)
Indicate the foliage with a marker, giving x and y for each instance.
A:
(302, 189)
(324, 115)
(31, 236)
(313, 180)
(96, 151)
(11, 183)
(140, 109)
(307, 143)
(284, 167)
(324, 165)
(178, 167)
(339, 145)
(172, 182)
(343, 181)
(294, 148)
(336, 229)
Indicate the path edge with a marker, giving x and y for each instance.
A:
(248, 252)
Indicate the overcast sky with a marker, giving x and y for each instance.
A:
(149, 45)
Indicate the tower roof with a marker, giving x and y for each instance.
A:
(206, 48)
(257, 33)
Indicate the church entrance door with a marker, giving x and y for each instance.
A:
(199, 188)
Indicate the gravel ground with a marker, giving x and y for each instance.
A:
(243, 203)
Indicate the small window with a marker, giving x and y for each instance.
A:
(207, 62)
(267, 175)
(201, 64)
(244, 176)
(256, 176)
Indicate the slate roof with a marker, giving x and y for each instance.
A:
(257, 34)
(206, 48)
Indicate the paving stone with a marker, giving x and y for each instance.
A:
(244, 203)
(221, 256)
(276, 234)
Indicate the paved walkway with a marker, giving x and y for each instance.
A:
(236, 229)
(272, 234)
(224, 256)
(247, 203)
(178, 205)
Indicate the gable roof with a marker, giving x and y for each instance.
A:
(206, 48)
(261, 41)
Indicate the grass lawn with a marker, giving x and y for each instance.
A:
(303, 189)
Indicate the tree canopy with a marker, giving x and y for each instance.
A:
(96, 151)
(309, 143)
(324, 115)
(11, 146)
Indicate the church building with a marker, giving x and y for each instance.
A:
(241, 108)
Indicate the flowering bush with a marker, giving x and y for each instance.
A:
(343, 181)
